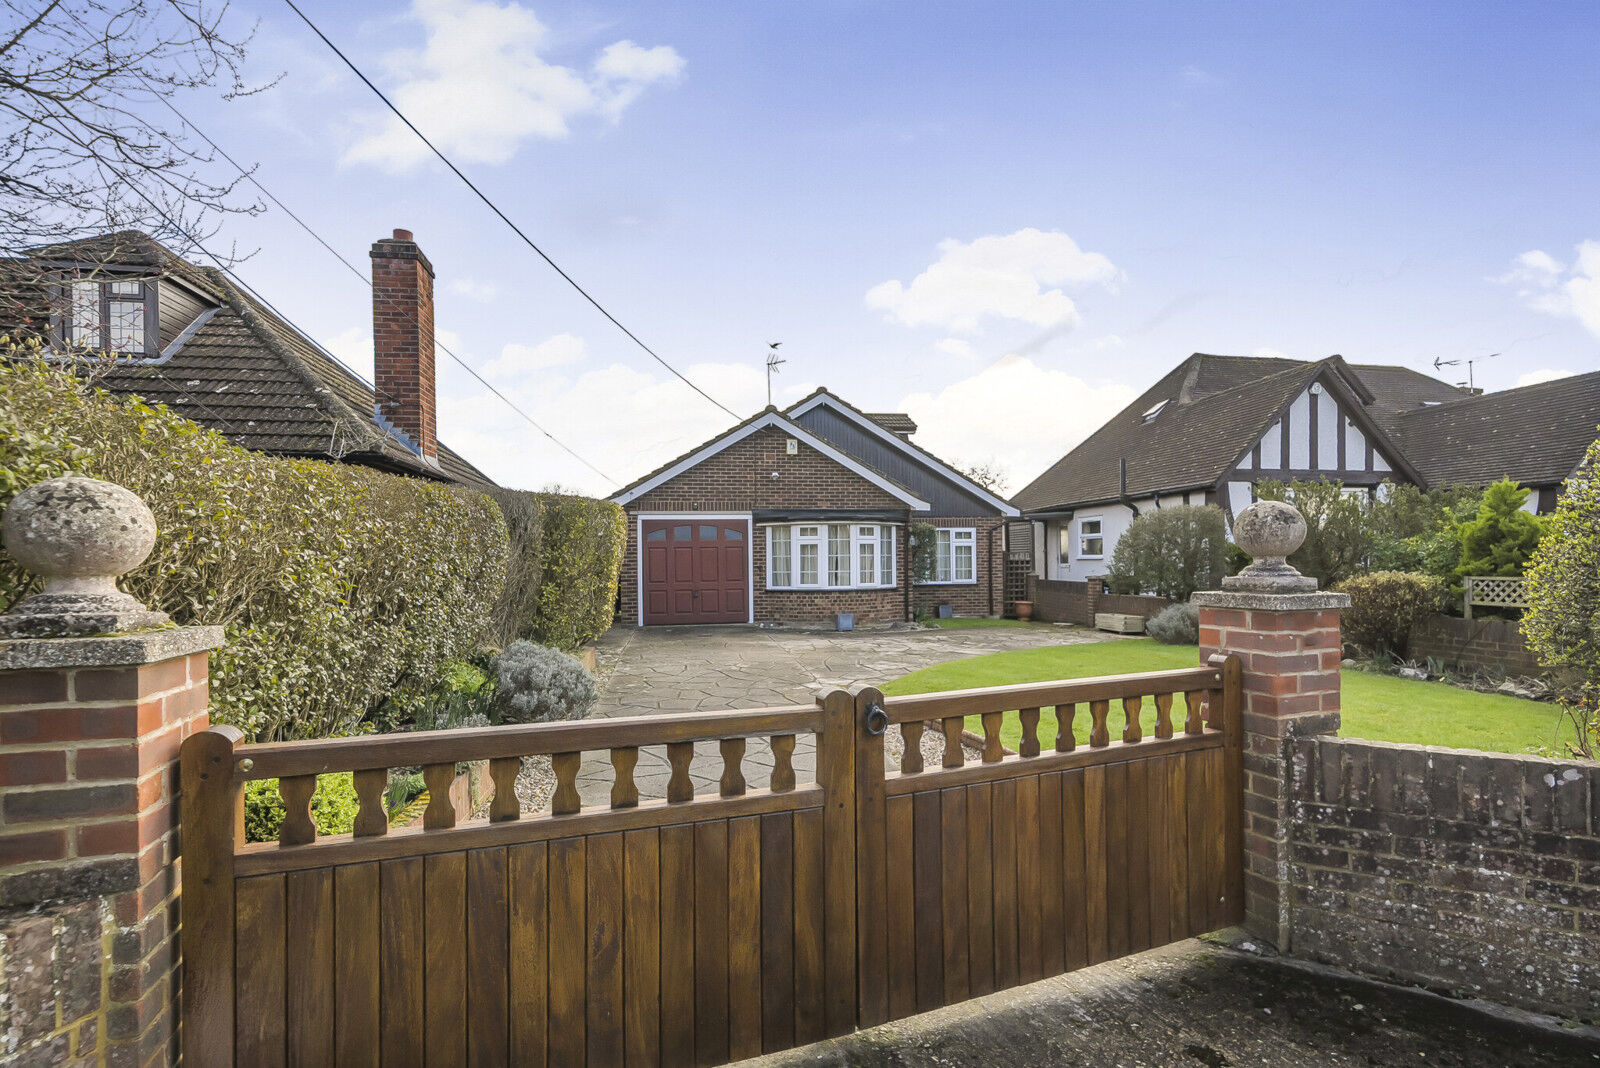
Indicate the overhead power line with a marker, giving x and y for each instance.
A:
(492, 206)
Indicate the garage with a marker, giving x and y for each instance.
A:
(694, 569)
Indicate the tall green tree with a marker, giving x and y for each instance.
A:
(1502, 537)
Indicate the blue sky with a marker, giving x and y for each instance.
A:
(1006, 219)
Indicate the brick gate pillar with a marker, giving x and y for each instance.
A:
(1286, 633)
(96, 694)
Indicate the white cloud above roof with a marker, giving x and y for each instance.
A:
(1547, 285)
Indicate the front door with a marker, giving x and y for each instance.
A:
(695, 570)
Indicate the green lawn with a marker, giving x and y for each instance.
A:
(1378, 707)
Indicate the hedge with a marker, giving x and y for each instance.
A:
(561, 582)
(337, 585)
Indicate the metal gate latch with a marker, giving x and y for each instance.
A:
(877, 719)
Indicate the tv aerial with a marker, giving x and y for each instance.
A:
(1469, 361)
(773, 363)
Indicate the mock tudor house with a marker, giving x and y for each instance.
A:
(1215, 426)
(188, 337)
(798, 515)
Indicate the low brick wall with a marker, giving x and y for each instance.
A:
(1475, 873)
(1056, 601)
(1474, 645)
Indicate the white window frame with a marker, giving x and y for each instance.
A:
(860, 534)
(945, 540)
(1100, 533)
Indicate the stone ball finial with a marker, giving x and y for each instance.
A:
(77, 535)
(1269, 531)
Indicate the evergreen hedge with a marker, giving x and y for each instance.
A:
(561, 583)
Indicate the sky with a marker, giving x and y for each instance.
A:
(1007, 220)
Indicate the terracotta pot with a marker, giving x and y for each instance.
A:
(1024, 610)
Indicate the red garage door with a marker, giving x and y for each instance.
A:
(696, 570)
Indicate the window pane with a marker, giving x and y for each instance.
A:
(1063, 543)
(941, 556)
(708, 533)
(656, 535)
(126, 289)
(683, 533)
(732, 534)
(807, 532)
(86, 313)
(838, 555)
(1091, 526)
(1094, 547)
(778, 540)
(127, 326)
(886, 556)
(867, 562)
(963, 564)
(808, 563)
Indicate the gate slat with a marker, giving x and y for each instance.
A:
(1137, 827)
(1030, 952)
(1095, 859)
(1051, 920)
(902, 916)
(308, 965)
(1178, 846)
(980, 890)
(567, 957)
(259, 970)
(487, 958)
(444, 998)
(953, 895)
(603, 985)
(357, 1030)
(711, 941)
(1160, 858)
(527, 972)
(1003, 829)
(809, 1018)
(678, 936)
(1194, 814)
(1216, 840)
(642, 936)
(400, 950)
(745, 879)
(777, 931)
(928, 892)
(1074, 871)
(1116, 838)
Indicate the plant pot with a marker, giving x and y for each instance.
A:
(1024, 610)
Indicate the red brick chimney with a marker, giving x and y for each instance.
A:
(402, 339)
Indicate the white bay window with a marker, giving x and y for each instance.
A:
(955, 554)
(830, 556)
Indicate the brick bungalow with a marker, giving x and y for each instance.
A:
(793, 516)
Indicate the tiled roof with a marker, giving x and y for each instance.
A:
(1535, 435)
(894, 422)
(253, 376)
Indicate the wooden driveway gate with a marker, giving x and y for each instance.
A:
(702, 927)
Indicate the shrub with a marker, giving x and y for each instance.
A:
(1501, 538)
(1338, 538)
(1413, 529)
(1176, 624)
(334, 806)
(1385, 606)
(516, 613)
(581, 557)
(337, 585)
(1562, 623)
(922, 541)
(1171, 552)
(536, 684)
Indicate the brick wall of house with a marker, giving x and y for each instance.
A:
(1474, 645)
(1476, 873)
(739, 479)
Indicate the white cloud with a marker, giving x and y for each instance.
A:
(955, 346)
(518, 359)
(998, 276)
(1533, 378)
(354, 348)
(1546, 285)
(1109, 341)
(1022, 415)
(473, 289)
(479, 86)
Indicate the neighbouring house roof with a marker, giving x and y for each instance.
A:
(762, 420)
(1535, 435)
(889, 452)
(246, 372)
(894, 422)
(1216, 407)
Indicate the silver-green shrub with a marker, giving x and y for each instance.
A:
(1176, 624)
(537, 684)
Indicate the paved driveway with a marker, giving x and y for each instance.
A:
(667, 670)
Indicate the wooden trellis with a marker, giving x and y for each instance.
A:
(1495, 591)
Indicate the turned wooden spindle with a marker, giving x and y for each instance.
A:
(680, 787)
(372, 819)
(1065, 741)
(1214, 709)
(440, 814)
(782, 763)
(506, 804)
(911, 758)
(624, 794)
(566, 800)
(993, 751)
(1193, 723)
(298, 827)
(1030, 732)
(954, 755)
(732, 775)
(1163, 715)
(1099, 734)
(1131, 731)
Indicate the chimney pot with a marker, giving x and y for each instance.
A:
(402, 235)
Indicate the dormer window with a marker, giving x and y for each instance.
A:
(1155, 410)
(113, 315)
